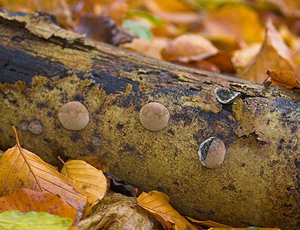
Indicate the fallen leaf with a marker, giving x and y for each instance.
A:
(207, 223)
(90, 180)
(26, 200)
(116, 211)
(289, 8)
(117, 10)
(237, 22)
(157, 204)
(242, 57)
(151, 48)
(204, 65)
(59, 8)
(274, 55)
(21, 168)
(96, 162)
(137, 29)
(188, 47)
(223, 61)
(16, 220)
(283, 78)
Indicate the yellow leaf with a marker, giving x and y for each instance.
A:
(157, 204)
(274, 55)
(21, 168)
(237, 22)
(90, 180)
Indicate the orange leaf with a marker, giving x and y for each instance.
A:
(26, 200)
(274, 55)
(236, 22)
(21, 168)
(157, 204)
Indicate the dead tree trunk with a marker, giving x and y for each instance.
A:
(42, 67)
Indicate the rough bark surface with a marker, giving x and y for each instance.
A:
(42, 67)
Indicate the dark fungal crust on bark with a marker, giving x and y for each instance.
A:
(262, 179)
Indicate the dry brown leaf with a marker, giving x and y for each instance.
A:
(188, 47)
(284, 78)
(21, 168)
(151, 48)
(157, 204)
(90, 180)
(26, 200)
(207, 223)
(274, 55)
(118, 212)
(236, 22)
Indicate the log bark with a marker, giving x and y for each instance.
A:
(43, 66)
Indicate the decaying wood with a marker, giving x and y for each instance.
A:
(42, 67)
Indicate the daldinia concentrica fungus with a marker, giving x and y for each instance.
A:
(73, 116)
(154, 116)
(212, 152)
(226, 96)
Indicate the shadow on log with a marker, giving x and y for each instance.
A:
(42, 67)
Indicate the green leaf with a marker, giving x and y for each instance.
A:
(138, 29)
(144, 14)
(16, 220)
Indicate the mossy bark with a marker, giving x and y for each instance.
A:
(42, 67)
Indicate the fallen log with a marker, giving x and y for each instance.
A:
(42, 67)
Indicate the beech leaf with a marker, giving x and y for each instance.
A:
(157, 204)
(16, 220)
(137, 29)
(26, 200)
(188, 47)
(273, 56)
(90, 180)
(237, 22)
(21, 168)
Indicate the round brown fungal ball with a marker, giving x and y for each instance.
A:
(154, 116)
(73, 116)
(35, 127)
(212, 152)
